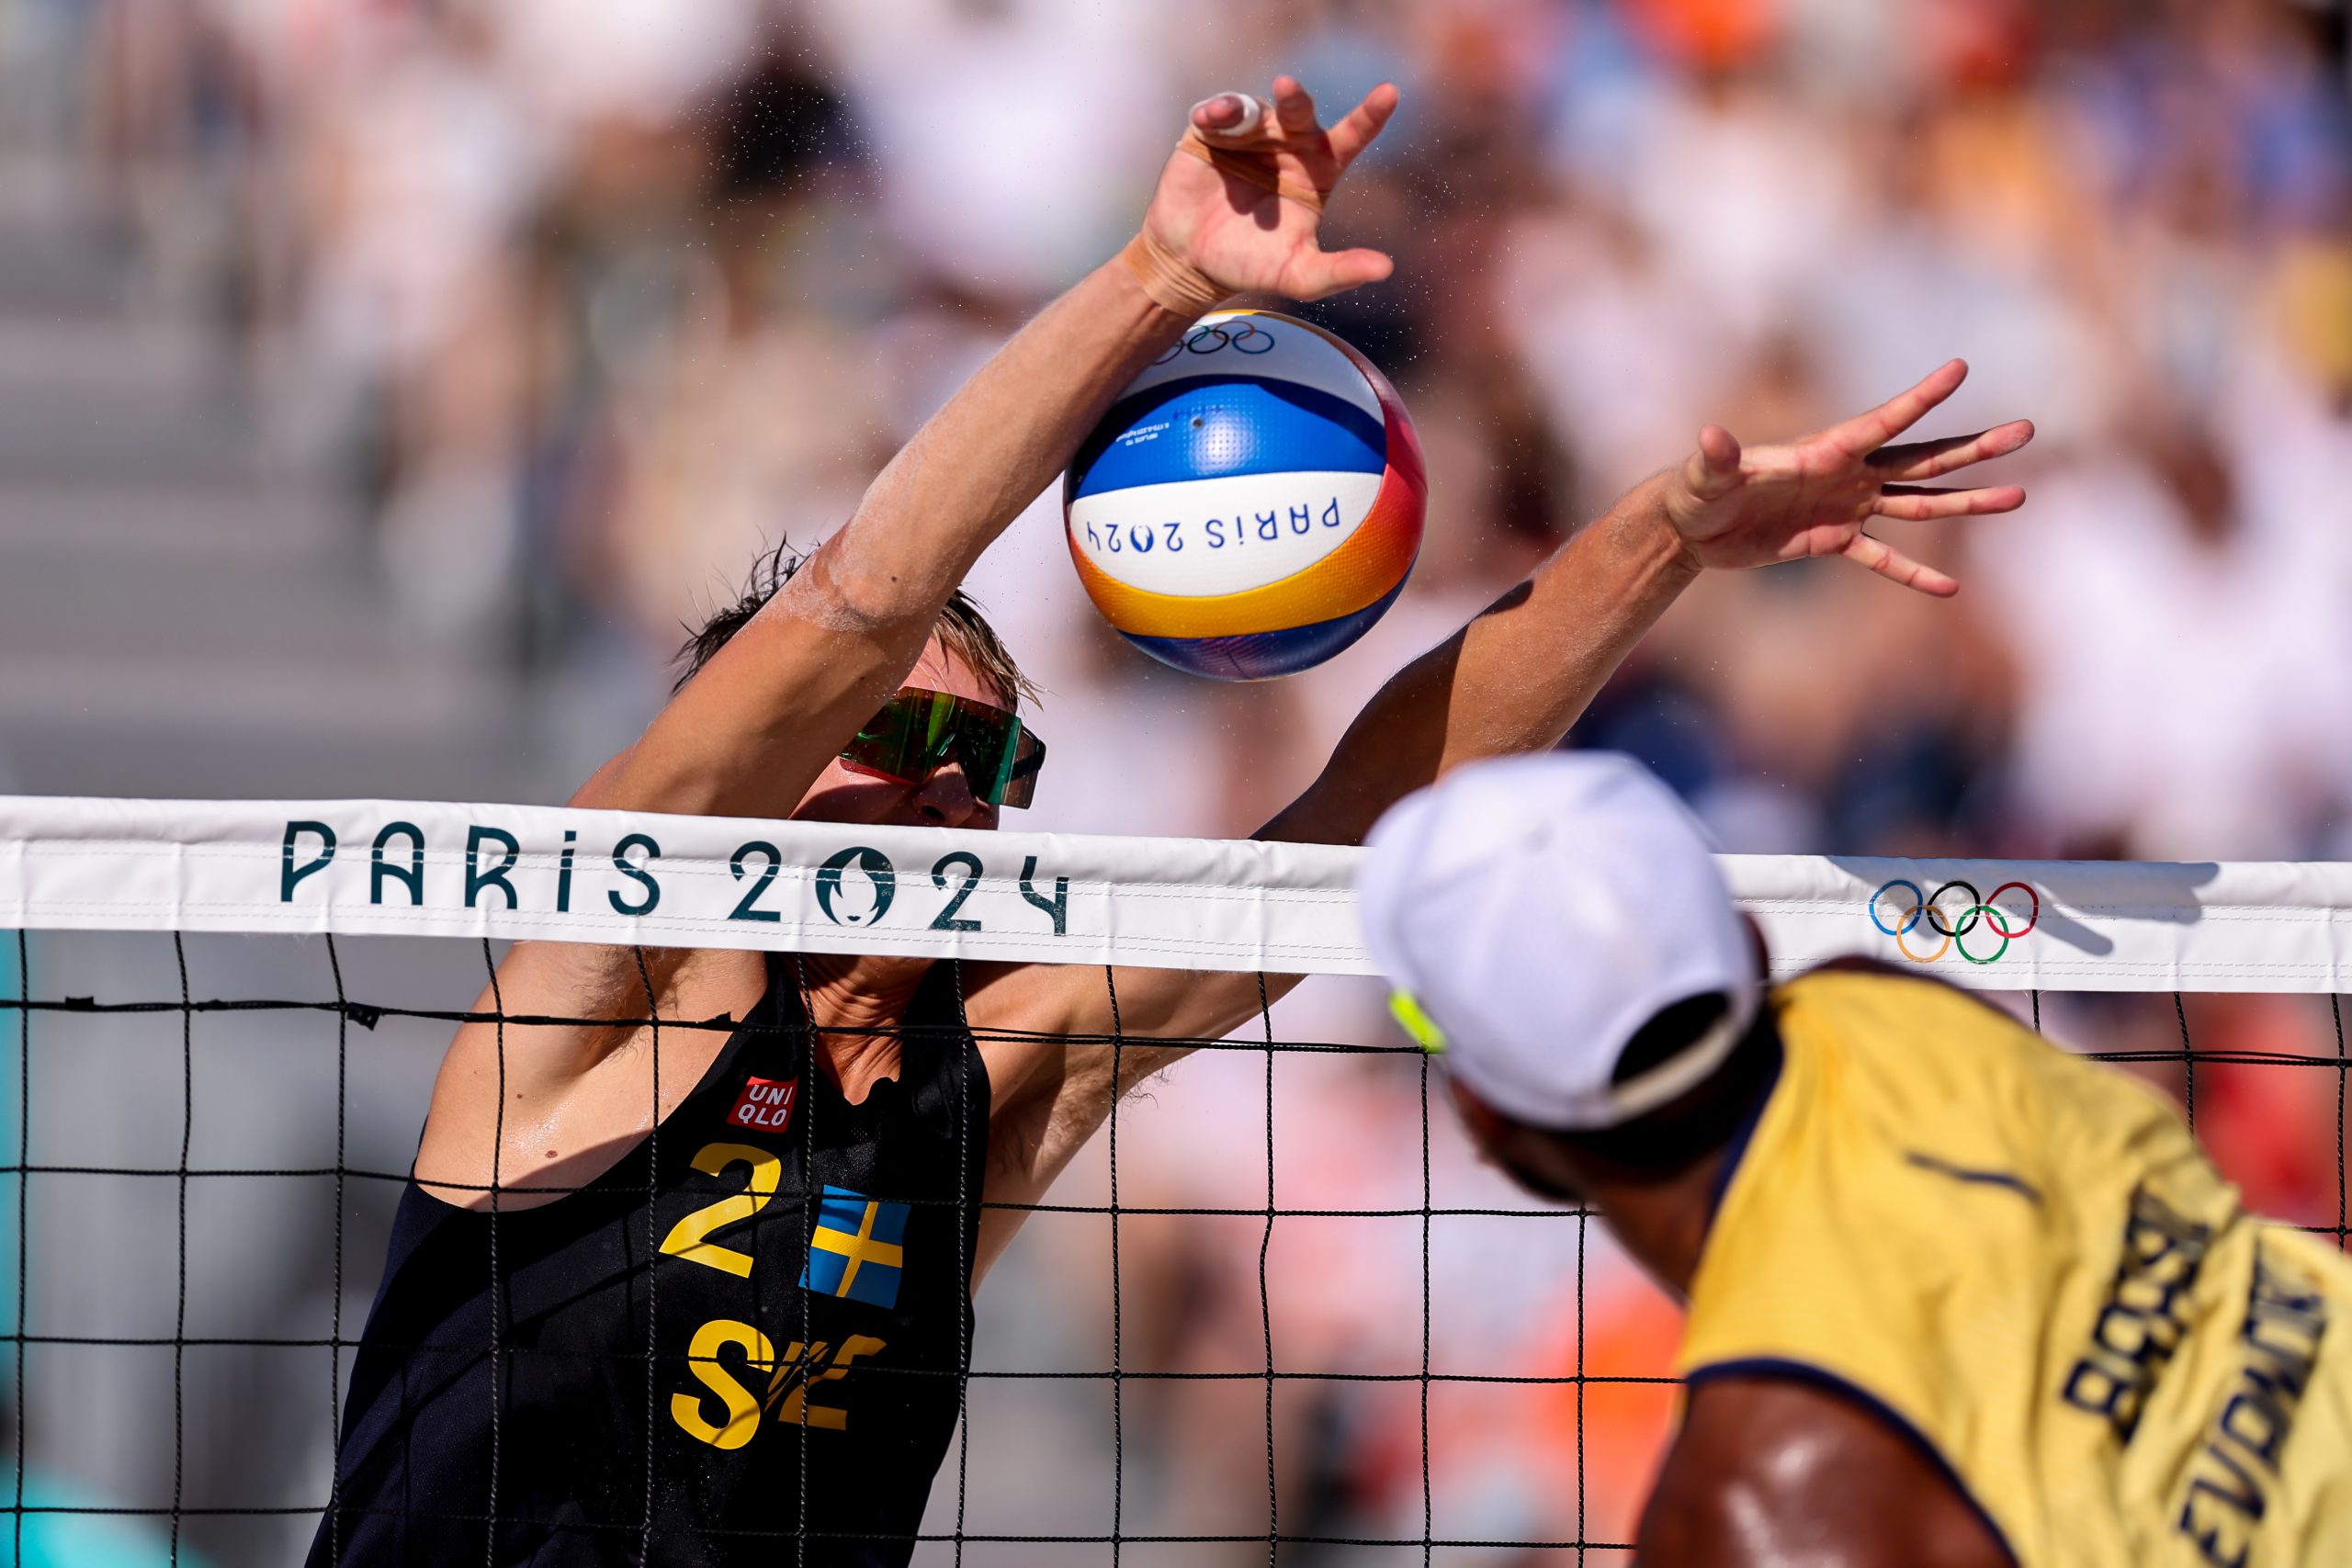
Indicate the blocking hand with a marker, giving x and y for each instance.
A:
(1228, 215)
(1816, 495)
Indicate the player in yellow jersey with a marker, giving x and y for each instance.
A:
(1956, 1298)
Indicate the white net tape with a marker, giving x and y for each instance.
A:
(506, 871)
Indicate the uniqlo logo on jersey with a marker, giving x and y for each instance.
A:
(766, 1104)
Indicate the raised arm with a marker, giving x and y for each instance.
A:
(751, 732)
(1516, 678)
(1239, 208)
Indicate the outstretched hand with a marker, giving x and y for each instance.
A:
(1243, 234)
(1815, 496)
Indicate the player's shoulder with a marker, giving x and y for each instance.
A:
(1867, 1002)
(1023, 1019)
(1856, 971)
(1901, 1053)
(1899, 1104)
(1774, 1464)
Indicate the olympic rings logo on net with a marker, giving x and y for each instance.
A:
(1953, 930)
(1209, 338)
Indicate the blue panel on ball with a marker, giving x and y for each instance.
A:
(1262, 656)
(1209, 427)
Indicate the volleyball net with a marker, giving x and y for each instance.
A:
(1278, 1313)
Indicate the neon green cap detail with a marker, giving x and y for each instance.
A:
(1415, 1023)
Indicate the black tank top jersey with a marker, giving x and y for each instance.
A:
(794, 1417)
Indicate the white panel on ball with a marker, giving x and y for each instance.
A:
(1292, 353)
(1165, 543)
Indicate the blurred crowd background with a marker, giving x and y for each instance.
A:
(386, 382)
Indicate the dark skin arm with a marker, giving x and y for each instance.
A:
(1774, 1473)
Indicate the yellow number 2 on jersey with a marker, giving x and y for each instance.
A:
(685, 1238)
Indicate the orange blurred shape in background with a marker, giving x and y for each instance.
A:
(1709, 35)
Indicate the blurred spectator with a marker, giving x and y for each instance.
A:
(2148, 570)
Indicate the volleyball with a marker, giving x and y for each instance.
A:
(1252, 502)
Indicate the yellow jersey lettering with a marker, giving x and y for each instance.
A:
(796, 1371)
(742, 1418)
(2222, 1531)
(2283, 1324)
(2143, 1321)
(2257, 1417)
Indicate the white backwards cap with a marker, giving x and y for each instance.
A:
(1536, 913)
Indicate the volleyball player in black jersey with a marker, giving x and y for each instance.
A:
(732, 1272)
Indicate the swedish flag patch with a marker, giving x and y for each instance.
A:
(858, 1251)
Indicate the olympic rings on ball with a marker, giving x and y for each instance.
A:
(1251, 339)
(1954, 932)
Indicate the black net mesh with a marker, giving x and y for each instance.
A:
(205, 1173)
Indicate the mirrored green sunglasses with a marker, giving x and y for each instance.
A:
(919, 732)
